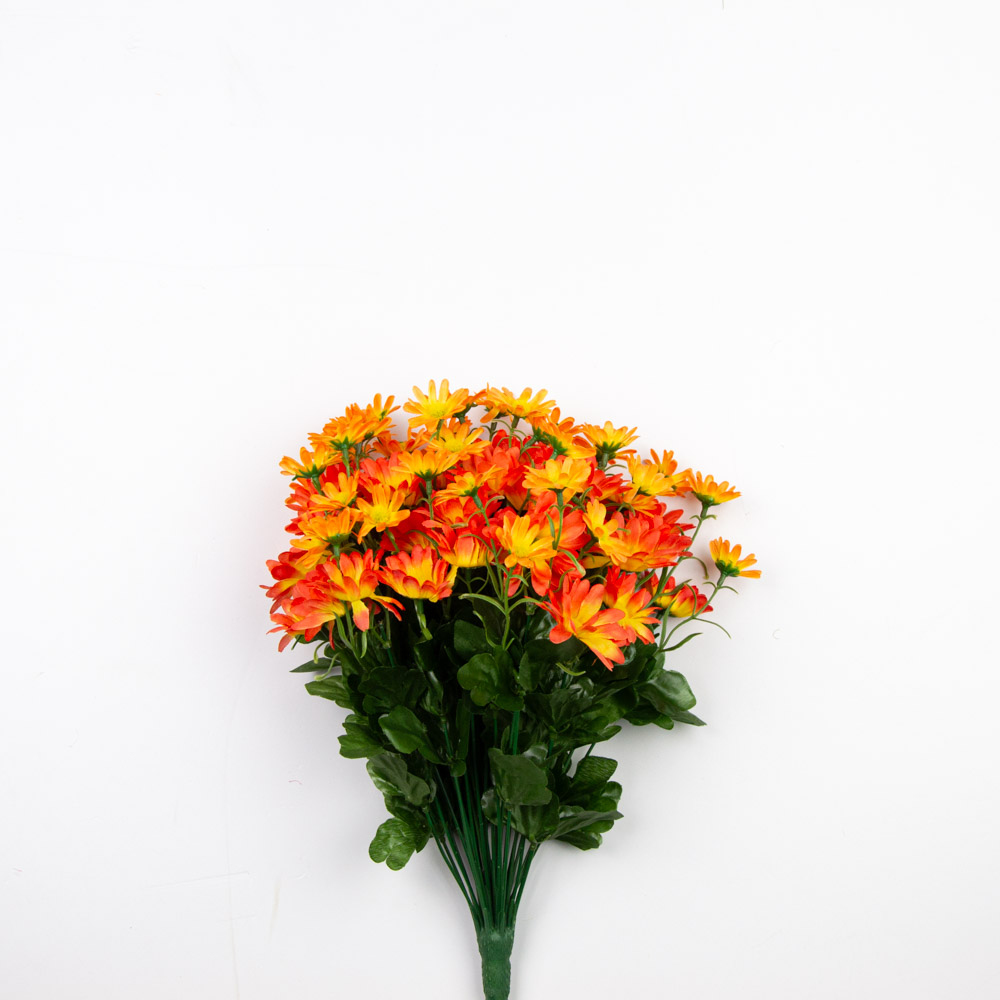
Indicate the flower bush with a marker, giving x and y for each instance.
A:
(490, 596)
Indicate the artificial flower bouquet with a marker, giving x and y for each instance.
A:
(490, 597)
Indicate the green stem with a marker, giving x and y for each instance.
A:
(701, 519)
(559, 504)
(489, 861)
(665, 637)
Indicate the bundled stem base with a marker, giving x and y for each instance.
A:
(495, 944)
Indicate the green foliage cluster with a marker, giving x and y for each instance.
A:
(469, 716)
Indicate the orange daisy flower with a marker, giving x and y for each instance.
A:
(467, 483)
(730, 561)
(644, 543)
(433, 406)
(562, 436)
(351, 581)
(570, 475)
(597, 521)
(648, 480)
(620, 593)
(286, 570)
(466, 549)
(706, 489)
(419, 574)
(327, 529)
(311, 463)
(384, 510)
(503, 403)
(459, 438)
(682, 602)
(578, 609)
(426, 463)
(288, 621)
(336, 494)
(528, 543)
(609, 440)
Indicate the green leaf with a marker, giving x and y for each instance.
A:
(668, 692)
(646, 713)
(313, 667)
(349, 663)
(388, 772)
(415, 818)
(463, 725)
(574, 818)
(606, 734)
(487, 683)
(332, 688)
(407, 733)
(423, 654)
(585, 840)
(469, 640)
(561, 708)
(489, 613)
(687, 638)
(610, 796)
(538, 658)
(591, 775)
(358, 740)
(519, 780)
(687, 717)
(386, 687)
(488, 802)
(604, 812)
(536, 822)
(393, 843)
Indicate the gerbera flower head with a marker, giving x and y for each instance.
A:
(352, 580)
(466, 549)
(311, 463)
(648, 480)
(596, 519)
(503, 403)
(578, 609)
(609, 441)
(426, 463)
(335, 492)
(637, 613)
(351, 430)
(528, 542)
(419, 574)
(730, 560)
(459, 438)
(566, 475)
(682, 601)
(383, 511)
(289, 622)
(380, 409)
(706, 489)
(562, 436)
(329, 529)
(434, 406)
(286, 570)
(645, 542)
(467, 483)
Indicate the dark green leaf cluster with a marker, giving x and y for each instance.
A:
(475, 716)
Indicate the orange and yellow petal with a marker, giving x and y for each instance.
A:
(706, 489)
(730, 560)
(434, 406)
(566, 475)
(419, 574)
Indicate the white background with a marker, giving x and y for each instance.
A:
(764, 233)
